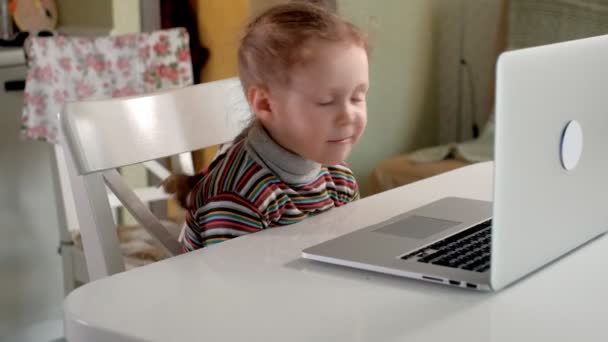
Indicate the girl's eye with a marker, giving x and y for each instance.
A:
(325, 103)
(358, 99)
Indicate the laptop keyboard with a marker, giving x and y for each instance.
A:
(468, 250)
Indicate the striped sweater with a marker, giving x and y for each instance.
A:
(256, 184)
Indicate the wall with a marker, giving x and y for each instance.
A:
(466, 29)
(415, 94)
(118, 16)
(400, 102)
(89, 13)
(125, 16)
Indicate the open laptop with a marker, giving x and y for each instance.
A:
(550, 184)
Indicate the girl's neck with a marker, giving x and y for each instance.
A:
(289, 167)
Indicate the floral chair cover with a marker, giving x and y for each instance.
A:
(62, 69)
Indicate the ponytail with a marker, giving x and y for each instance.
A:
(180, 186)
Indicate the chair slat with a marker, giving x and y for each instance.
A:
(116, 132)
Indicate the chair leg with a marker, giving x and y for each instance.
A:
(69, 280)
(62, 195)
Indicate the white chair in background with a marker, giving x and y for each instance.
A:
(63, 69)
(107, 134)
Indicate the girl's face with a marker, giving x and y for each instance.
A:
(322, 113)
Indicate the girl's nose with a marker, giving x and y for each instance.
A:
(347, 115)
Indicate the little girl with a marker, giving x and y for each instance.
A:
(304, 71)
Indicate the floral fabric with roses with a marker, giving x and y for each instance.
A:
(62, 69)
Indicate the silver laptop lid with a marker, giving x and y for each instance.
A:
(541, 209)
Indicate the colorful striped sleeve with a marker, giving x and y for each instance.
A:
(224, 217)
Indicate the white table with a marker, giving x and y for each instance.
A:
(257, 288)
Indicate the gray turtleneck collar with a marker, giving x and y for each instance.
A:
(289, 167)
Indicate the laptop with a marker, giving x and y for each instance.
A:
(550, 182)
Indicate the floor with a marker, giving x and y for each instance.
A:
(31, 283)
(31, 288)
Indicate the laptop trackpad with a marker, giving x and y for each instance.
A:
(417, 227)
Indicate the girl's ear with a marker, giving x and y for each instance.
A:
(259, 100)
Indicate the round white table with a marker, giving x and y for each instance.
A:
(257, 288)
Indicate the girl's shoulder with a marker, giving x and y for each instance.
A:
(344, 180)
(341, 171)
(232, 171)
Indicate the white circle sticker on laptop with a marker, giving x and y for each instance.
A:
(571, 145)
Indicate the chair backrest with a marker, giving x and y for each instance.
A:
(103, 135)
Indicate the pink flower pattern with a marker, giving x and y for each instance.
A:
(161, 47)
(59, 96)
(128, 90)
(123, 63)
(183, 53)
(41, 74)
(95, 62)
(65, 63)
(83, 90)
(62, 69)
(144, 52)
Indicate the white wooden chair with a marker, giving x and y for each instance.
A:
(63, 69)
(103, 135)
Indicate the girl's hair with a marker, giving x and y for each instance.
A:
(273, 43)
(180, 185)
